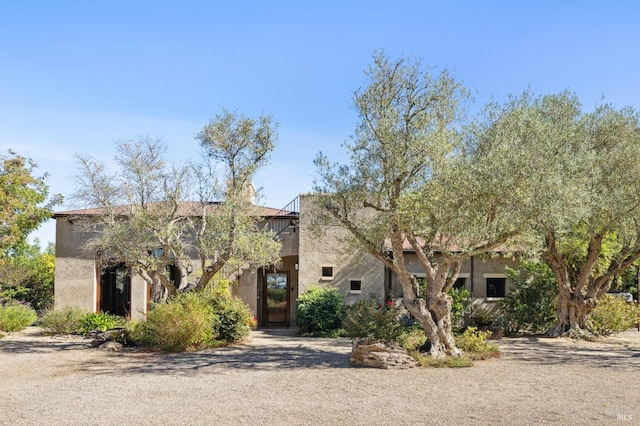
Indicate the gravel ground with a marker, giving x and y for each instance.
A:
(280, 379)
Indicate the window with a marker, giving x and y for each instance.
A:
(355, 286)
(460, 283)
(327, 272)
(496, 287)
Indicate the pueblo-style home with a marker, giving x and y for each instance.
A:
(307, 258)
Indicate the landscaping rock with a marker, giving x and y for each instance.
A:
(110, 346)
(372, 353)
(112, 335)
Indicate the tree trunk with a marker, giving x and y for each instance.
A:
(434, 315)
(160, 290)
(573, 316)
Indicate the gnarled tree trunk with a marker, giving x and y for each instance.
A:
(573, 315)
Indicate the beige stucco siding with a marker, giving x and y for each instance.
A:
(325, 249)
(474, 270)
(75, 277)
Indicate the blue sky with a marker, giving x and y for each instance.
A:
(76, 76)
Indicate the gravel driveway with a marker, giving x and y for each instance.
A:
(280, 379)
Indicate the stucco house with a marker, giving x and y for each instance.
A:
(308, 258)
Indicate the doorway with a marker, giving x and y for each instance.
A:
(115, 290)
(276, 299)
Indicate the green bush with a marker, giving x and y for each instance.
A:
(62, 321)
(234, 319)
(320, 312)
(460, 301)
(16, 316)
(412, 338)
(473, 341)
(532, 303)
(186, 322)
(481, 316)
(368, 318)
(612, 315)
(98, 321)
(444, 362)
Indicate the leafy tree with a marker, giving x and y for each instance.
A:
(531, 304)
(226, 231)
(411, 183)
(140, 221)
(28, 275)
(24, 201)
(589, 184)
(148, 218)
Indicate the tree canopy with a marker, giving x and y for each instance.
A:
(24, 201)
(588, 188)
(155, 215)
(411, 182)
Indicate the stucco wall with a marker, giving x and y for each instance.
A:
(318, 249)
(75, 278)
(474, 270)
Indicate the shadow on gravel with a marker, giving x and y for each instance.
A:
(269, 352)
(44, 344)
(549, 351)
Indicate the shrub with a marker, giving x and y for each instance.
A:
(15, 316)
(474, 343)
(612, 315)
(368, 318)
(98, 321)
(320, 312)
(412, 338)
(532, 303)
(481, 316)
(235, 318)
(186, 322)
(62, 321)
(444, 362)
(461, 299)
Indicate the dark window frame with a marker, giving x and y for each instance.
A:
(496, 287)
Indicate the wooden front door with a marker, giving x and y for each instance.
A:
(275, 300)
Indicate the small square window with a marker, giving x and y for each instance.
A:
(327, 272)
(496, 287)
(355, 286)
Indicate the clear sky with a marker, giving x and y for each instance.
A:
(76, 76)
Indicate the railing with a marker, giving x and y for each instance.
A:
(287, 218)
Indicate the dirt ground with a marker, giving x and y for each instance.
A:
(281, 379)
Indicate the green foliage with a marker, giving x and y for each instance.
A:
(612, 315)
(481, 316)
(62, 321)
(474, 341)
(98, 321)
(368, 318)
(16, 316)
(185, 323)
(531, 304)
(412, 338)
(27, 275)
(460, 301)
(134, 330)
(234, 319)
(444, 362)
(320, 312)
(24, 201)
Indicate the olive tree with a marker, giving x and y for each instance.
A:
(411, 183)
(587, 183)
(154, 215)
